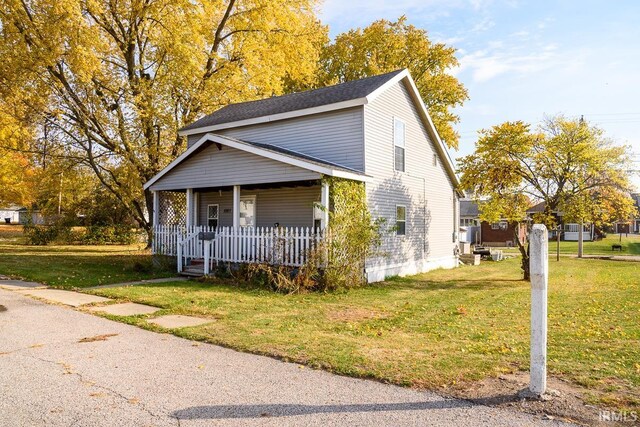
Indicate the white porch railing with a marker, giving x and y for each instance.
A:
(572, 232)
(288, 246)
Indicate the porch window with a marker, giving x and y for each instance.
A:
(399, 144)
(248, 211)
(401, 220)
(212, 215)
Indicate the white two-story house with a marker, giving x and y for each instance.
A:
(254, 169)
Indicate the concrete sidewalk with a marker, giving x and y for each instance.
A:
(59, 367)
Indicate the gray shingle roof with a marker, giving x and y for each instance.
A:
(469, 208)
(295, 101)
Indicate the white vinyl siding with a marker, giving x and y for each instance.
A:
(213, 167)
(335, 136)
(425, 190)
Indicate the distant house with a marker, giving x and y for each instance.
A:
(636, 220)
(569, 231)
(251, 179)
(469, 213)
(10, 214)
(501, 233)
(33, 216)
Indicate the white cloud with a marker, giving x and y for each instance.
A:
(346, 14)
(498, 58)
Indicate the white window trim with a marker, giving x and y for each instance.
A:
(405, 220)
(209, 218)
(404, 146)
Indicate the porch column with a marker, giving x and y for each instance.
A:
(189, 207)
(196, 208)
(324, 201)
(156, 208)
(236, 206)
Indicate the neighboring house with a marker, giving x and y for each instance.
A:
(469, 213)
(501, 233)
(636, 220)
(469, 221)
(570, 230)
(33, 216)
(10, 213)
(257, 167)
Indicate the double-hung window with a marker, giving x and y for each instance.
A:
(401, 220)
(212, 215)
(399, 136)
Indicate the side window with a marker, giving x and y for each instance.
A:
(212, 215)
(502, 225)
(399, 135)
(401, 220)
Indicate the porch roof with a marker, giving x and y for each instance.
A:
(268, 151)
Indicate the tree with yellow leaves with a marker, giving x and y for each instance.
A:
(116, 79)
(386, 46)
(567, 164)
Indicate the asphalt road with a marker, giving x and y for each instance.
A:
(140, 378)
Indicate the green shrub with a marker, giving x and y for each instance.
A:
(93, 235)
(40, 234)
(104, 235)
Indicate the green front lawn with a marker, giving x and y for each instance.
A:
(76, 266)
(630, 246)
(441, 329)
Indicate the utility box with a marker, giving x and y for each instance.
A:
(465, 247)
(470, 259)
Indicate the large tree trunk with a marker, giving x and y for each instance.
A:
(149, 225)
(524, 251)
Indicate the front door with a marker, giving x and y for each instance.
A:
(248, 211)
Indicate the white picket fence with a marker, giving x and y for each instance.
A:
(288, 246)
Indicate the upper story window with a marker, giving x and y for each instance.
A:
(399, 136)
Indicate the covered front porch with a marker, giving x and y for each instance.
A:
(275, 223)
(233, 201)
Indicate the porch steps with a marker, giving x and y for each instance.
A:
(195, 269)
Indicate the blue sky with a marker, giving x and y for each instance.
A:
(523, 60)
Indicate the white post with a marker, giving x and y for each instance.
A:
(196, 208)
(156, 208)
(580, 239)
(179, 254)
(207, 257)
(539, 269)
(189, 208)
(236, 206)
(324, 201)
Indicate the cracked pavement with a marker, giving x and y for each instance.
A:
(133, 377)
